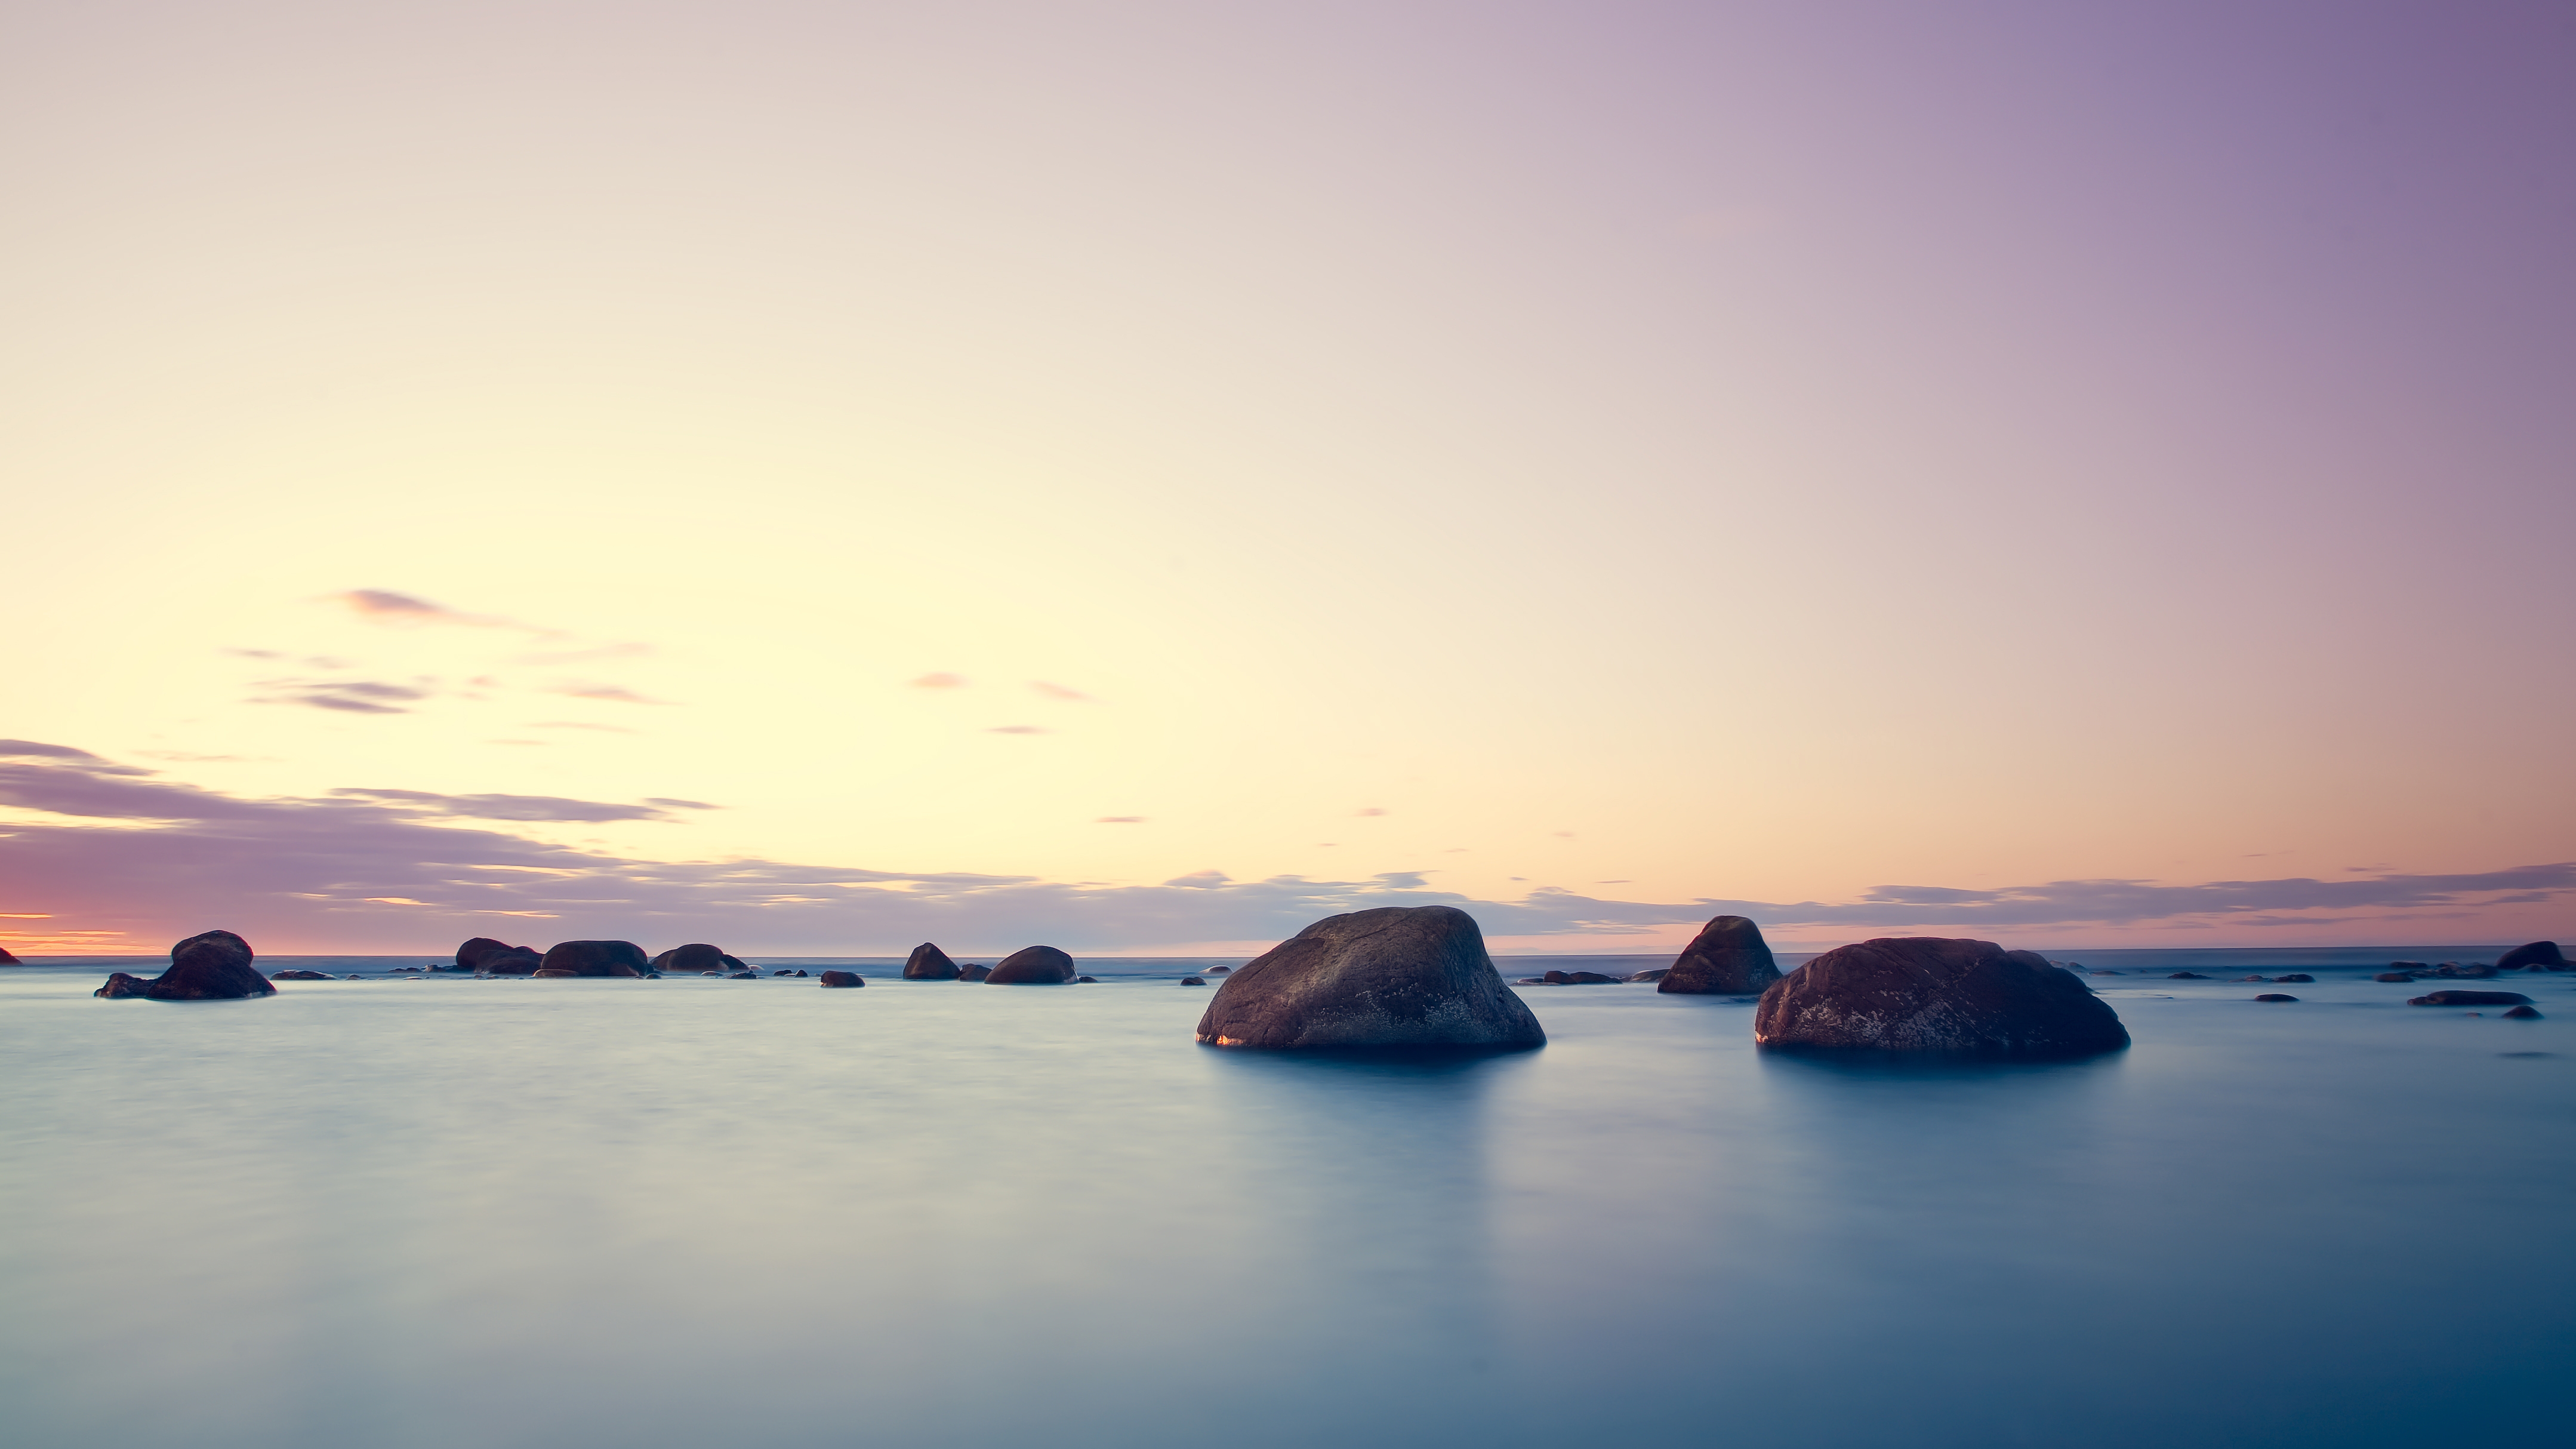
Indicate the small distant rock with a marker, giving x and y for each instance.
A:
(2274, 996)
(928, 963)
(2192, 976)
(1531, 981)
(843, 978)
(552, 974)
(2100, 971)
(2253, 978)
(1727, 958)
(1653, 974)
(595, 958)
(2296, 977)
(1194, 981)
(2539, 954)
(2406, 976)
(786, 971)
(1220, 971)
(973, 973)
(120, 984)
(1034, 966)
(2470, 998)
(2523, 1013)
(301, 976)
(1086, 980)
(743, 975)
(800, 973)
(496, 958)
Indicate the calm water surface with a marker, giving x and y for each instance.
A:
(694, 1212)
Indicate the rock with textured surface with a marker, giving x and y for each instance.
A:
(843, 978)
(1928, 993)
(928, 963)
(695, 956)
(595, 958)
(1396, 976)
(119, 984)
(2536, 953)
(1033, 966)
(498, 959)
(1727, 958)
(2470, 998)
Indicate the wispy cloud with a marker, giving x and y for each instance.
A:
(350, 696)
(575, 724)
(1019, 730)
(1058, 691)
(384, 606)
(940, 681)
(680, 804)
(1120, 820)
(551, 657)
(508, 807)
(1370, 810)
(613, 693)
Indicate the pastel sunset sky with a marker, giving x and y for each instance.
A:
(1141, 477)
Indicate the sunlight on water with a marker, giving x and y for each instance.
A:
(690, 1212)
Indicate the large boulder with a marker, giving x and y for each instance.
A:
(843, 978)
(2537, 953)
(1727, 958)
(1928, 993)
(497, 959)
(1397, 976)
(595, 958)
(214, 966)
(928, 963)
(695, 956)
(1033, 966)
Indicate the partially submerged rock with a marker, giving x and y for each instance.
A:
(595, 958)
(1656, 974)
(2274, 996)
(498, 959)
(1194, 981)
(1220, 971)
(1396, 976)
(1086, 981)
(1568, 978)
(1034, 966)
(1727, 958)
(928, 963)
(2186, 976)
(301, 976)
(973, 973)
(2470, 998)
(2295, 977)
(695, 956)
(213, 966)
(2522, 1013)
(746, 974)
(1927, 993)
(2405, 976)
(843, 978)
(2534, 953)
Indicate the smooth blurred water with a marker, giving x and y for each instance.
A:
(687, 1212)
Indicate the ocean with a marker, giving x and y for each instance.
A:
(436, 1211)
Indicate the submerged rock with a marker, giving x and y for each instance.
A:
(1928, 993)
(2534, 953)
(1727, 958)
(212, 966)
(746, 974)
(485, 954)
(2406, 976)
(2274, 996)
(2295, 977)
(2100, 971)
(2186, 976)
(843, 978)
(2470, 998)
(928, 963)
(595, 958)
(1656, 973)
(1034, 966)
(1396, 976)
(1220, 971)
(301, 976)
(1571, 978)
(2523, 1013)
(557, 973)
(695, 956)
(1194, 981)
(2253, 978)
(1086, 981)
(973, 973)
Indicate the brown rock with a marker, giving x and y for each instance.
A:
(1033, 966)
(8, 960)
(2533, 954)
(301, 976)
(695, 956)
(595, 958)
(973, 973)
(1194, 981)
(1396, 976)
(928, 963)
(120, 984)
(1727, 958)
(843, 978)
(490, 956)
(1927, 993)
(214, 966)
(2470, 998)
(1656, 974)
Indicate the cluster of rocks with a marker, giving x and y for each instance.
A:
(2293, 978)
(212, 966)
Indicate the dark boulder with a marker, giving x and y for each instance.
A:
(1220, 971)
(786, 971)
(746, 974)
(1086, 981)
(120, 984)
(2274, 996)
(595, 958)
(695, 956)
(2104, 971)
(2405, 976)
(214, 966)
(1579, 978)
(487, 955)
(1395, 976)
(1194, 981)
(2470, 998)
(1033, 966)
(1727, 958)
(928, 963)
(734, 963)
(2479, 972)
(2186, 976)
(2410, 965)
(2522, 1013)
(2536, 953)
(843, 978)
(1654, 974)
(301, 976)
(8, 960)
(1927, 993)
(2253, 978)
(2297, 978)
(973, 973)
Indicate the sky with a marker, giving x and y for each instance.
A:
(1144, 477)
